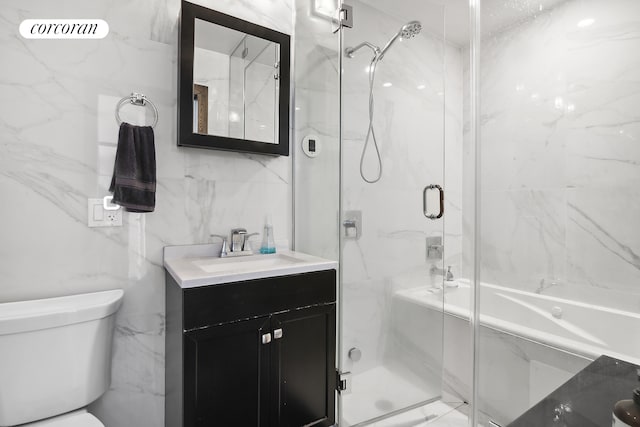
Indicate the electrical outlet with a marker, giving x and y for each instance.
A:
(98, 216)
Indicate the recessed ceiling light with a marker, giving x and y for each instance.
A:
(420, 87)
(387, 84)
(586, 22)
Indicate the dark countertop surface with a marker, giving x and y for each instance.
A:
(587, 399)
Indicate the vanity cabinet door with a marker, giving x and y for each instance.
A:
(227, 374)
(303, 367)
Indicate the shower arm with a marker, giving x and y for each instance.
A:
(350, 51)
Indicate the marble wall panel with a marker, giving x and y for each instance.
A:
(57, 146)
(559, 124)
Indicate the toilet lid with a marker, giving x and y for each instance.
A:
(74, 419)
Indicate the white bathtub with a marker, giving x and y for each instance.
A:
(584, 329)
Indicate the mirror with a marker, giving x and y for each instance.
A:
(233, 84)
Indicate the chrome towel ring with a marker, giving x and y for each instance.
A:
(136, 99)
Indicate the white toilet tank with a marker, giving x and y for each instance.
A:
(55, 354)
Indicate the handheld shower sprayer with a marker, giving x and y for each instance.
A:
(407, 31)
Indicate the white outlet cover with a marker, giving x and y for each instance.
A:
(97, 216)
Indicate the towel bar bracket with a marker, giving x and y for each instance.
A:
(140, 100)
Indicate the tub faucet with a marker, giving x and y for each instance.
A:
(435, 271)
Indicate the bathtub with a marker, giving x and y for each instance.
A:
(587, 330)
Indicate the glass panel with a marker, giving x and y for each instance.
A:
(391, 294)
(560, 202)
(235, 84)
(317, 120)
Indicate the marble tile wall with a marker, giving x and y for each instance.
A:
(57, 145)
(560, 127)
(317, 114)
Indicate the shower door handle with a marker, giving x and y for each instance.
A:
(424, 201)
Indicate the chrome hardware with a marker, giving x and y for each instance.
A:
(352, 224)
(237, 239)
(139, 100)
(447, 274)
(266, 338)
(355, 354)
(238, 243)
(245, 243)
(424, 201)
(224, 250)
(435, 249)
(350, 228)
(343, 382)
(346, 16)
(277, 334)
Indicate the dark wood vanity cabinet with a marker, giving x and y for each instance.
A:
(253, 353)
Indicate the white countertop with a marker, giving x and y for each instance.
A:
(198, 265)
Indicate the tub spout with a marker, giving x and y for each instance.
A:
(435, 271)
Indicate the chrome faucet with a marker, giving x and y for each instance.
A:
(435, 271)
(239, 243)
(237, 239)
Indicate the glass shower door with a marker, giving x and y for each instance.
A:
(392, 169)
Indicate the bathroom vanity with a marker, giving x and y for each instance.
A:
(250, 341)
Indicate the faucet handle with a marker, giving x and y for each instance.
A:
(224, 250)
(246, 241)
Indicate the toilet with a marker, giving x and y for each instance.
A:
(55, 358)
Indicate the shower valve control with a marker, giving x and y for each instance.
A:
(435, 250)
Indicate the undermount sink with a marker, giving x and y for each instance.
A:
(196, 265)
(247, 263)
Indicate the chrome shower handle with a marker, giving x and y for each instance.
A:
(424, 201)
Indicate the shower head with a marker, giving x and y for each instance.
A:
(408, 30)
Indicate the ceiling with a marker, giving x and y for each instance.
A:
(436, 15)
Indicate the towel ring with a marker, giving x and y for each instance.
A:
(136, 99)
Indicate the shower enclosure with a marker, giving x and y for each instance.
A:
(526, 114)
(392, 159)
(377, 184)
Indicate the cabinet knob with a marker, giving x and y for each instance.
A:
(277, 334)
(266, 338)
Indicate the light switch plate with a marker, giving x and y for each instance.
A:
(99, 217)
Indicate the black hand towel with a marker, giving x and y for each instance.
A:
(134, 174)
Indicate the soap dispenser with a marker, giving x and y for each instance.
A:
(626, 413)
(268, 244)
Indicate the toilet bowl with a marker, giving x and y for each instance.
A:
(56, 358)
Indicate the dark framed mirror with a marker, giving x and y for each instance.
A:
(233, 83)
